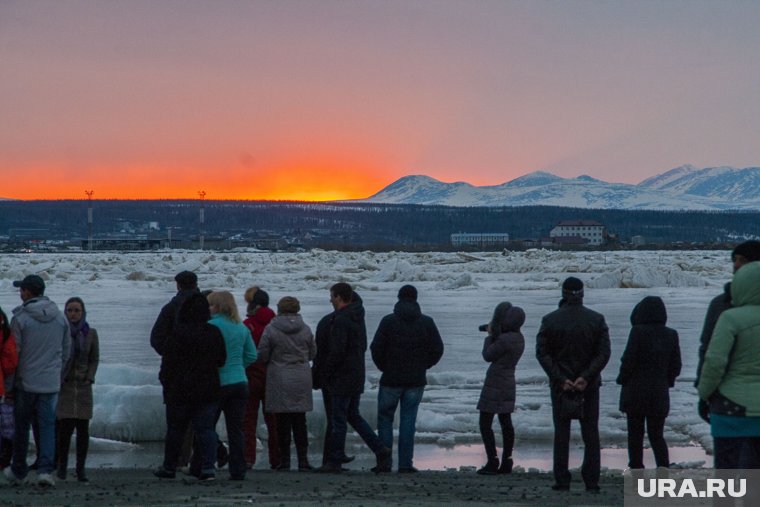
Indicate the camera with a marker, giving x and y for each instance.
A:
(483, 328)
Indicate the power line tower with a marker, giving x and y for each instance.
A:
(202, 195)
(89, 218)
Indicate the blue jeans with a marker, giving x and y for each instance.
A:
(233, 401)
(345, 411)
(26, 405)
(387, 400)
(203, 418)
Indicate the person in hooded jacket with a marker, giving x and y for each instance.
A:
(75, 399)
(43, 343)
(8, 363)
(503, 348)
(648, 369)
(286, 348)
(730, 377)
(259, 316)
(192, 356)
(743, 253)
(342, 375)
(406, 345)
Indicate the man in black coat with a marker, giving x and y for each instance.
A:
(406, 344)
(187, 284)
(573, 346)
(744, 253)
(341, 374)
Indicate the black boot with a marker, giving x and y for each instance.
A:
(82, 475)
(506, 465)
(303, 459)
(60, 470)
(490, 468)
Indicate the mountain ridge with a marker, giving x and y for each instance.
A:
(682, 188)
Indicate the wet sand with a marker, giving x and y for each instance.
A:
(137, 486)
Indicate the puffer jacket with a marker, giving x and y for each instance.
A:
(503, 352)
(256, 323)
(286, 347)
(651, 361)
(732, 362)
(43, 343)
(406, 344)
(192, 355)
(8, 362)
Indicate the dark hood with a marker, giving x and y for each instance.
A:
(514, 318)
(407, 310)
(194, 309)
(650, 310)
(355, 309)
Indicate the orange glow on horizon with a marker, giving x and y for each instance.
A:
(320, 181)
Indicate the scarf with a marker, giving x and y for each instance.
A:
(79, 332)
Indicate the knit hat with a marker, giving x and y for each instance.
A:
(572, 285)
(750, 250)
(288, 304)
(260, 298)
(408, 292)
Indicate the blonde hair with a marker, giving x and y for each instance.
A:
(225, 303)
(248, 296)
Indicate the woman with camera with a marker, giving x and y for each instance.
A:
(503, 348)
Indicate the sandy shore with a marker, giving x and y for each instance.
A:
(358, 487)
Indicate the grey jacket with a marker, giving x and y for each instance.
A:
(286, 347)
(43, 342)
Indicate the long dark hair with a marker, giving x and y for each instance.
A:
(4, 326)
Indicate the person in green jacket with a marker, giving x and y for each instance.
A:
(730, 377)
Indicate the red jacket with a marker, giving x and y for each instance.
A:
(8, 360)
(256, 323)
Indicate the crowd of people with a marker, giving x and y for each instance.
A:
(214, 363)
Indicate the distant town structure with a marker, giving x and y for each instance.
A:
(480, 240)
(593, 232)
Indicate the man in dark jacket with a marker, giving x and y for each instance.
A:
(187, 284)
(342, 376)
(406, 344)
(192, 356)
(746, 252)
(573, 346)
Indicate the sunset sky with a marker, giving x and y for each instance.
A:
(324, 99)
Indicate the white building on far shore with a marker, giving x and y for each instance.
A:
(480, 240)
(592, 231)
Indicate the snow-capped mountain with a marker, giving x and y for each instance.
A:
(685, 187)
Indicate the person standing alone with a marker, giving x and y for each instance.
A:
(573, 347)
(406, 345)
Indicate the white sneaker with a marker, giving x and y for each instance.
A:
(45, 480)
(10, 477)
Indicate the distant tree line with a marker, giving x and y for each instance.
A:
(361, 225)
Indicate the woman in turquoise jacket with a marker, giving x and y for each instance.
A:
(730, 377)
(241, 352)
